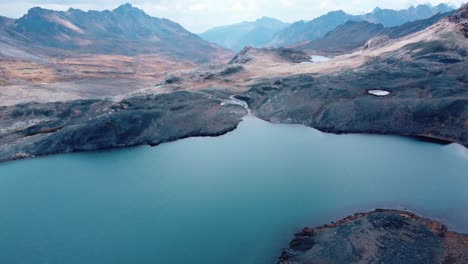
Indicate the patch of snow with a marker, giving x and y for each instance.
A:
(65, 23)
(378, 92)
(316, 58)
(234, 101)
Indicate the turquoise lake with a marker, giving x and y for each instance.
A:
(234, 199)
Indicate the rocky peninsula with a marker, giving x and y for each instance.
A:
(34, 129)
(381, 236)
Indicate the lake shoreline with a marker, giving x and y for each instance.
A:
(30, 141)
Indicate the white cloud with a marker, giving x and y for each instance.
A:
(199, 15)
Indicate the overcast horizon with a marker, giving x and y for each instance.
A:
(201, 15)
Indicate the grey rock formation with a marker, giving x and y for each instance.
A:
(32, 129)
(280, 54)
(382, 236)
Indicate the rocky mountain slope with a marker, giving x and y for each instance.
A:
(310, 30)
(125, 31)
(54, 56)
(382, 236)
(420, 79)
(238, 36)
(423, 73)
(345, 38)
(353, 35)
(410, 81)
(318, 27)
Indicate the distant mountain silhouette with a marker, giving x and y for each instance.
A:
(310, 30)
(238, 36)
(353, 35)
(392, 18)
(317, 28)
(346, 37)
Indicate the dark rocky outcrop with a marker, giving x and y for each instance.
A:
(32, 129)
(461, 19)
(381, 236)
(208, 72)
(242, 57)
(280, 54)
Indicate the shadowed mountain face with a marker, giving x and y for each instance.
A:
(126, 30)
(5, 21)
(415, 26)
(353, 35)
(310, 30)
(319, 27)
(349, 36)
(238, 36)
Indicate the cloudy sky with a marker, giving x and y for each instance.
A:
(200, 15)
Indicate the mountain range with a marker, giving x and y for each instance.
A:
(246, 34)
(422, 76)
(314, 29)
(125, 30)
(129, 31)
(353, 35)
(237, 36)
(79, 81)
